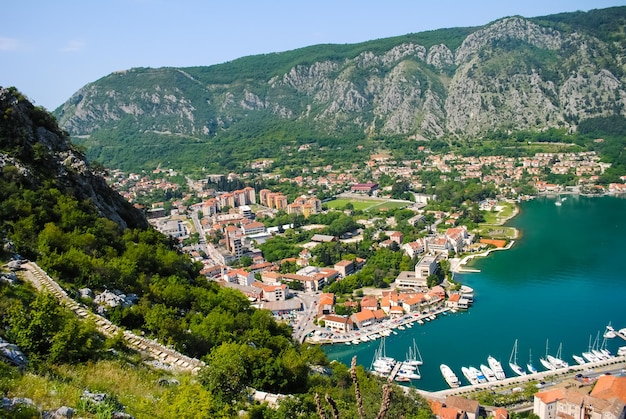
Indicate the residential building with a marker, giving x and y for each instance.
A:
(363, 318)
(344, 267)
(425, 267)
(338, 323)
(239, 276)
(415, 248)
(369, 302)
(409, 279)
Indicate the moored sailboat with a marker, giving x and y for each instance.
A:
(513, 361)
(530, 367)
(556, 360)
(545, 362)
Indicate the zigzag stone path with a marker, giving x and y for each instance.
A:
(169, 357)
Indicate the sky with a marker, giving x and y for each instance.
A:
(50, 49)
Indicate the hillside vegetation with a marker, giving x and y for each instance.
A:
(460, 84)
(49, 213)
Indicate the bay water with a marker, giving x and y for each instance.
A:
(561, 283)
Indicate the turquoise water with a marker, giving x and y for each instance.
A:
(563, 281)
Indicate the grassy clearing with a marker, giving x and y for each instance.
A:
(135, 386)
(365, 204)
(494, 220)
(504, 211)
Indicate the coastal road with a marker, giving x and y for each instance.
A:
(615, 364)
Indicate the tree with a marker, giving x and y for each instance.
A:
(225, 375)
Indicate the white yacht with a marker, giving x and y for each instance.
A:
(449, 376)
(496, 367)
(479, 375)
(488, 373)
(470, 375)
(545, 362)
(530, 367)
(557, 361)
(609, 333)
(513, 361)
(579, 359)
(414, 357)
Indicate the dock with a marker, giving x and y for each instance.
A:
(394, 372)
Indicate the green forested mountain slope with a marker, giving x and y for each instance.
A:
(512, 74)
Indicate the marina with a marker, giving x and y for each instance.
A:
(508, 285)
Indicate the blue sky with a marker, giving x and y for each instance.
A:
(50, 49)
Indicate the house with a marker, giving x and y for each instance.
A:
(397, 237)
(369, 303)
(274, 292)
(323, 238)
(607, 400)
(415, 248)
(438, 244)
(363, 318)
(338, 323)
(413, 304)
(326, 304)
(239, 276)
(469, 407)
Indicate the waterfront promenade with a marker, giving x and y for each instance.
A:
(559, 374)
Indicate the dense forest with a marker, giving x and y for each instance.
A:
(243, 347)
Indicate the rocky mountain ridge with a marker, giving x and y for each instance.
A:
(513, 74)
(34, 148)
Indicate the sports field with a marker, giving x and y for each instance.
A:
(365, 204)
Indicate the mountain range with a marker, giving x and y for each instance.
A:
(512, 74)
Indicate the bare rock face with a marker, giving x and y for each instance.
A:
(514, 73)
(35, 132)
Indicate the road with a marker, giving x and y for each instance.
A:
(304, 324)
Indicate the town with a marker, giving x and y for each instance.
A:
(220, 229)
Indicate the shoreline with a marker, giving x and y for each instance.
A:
(457, 265)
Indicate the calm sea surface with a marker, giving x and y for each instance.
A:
(563, 281)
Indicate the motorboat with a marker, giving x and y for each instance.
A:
(579, 359)
(449, 376)
(479, 375)
(470, 375)
(496, 367)
(488, 373)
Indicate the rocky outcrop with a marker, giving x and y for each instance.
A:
(514, 73)
(35, 132)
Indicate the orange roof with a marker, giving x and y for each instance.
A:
(500, 413)
(497, 243)
(455, 298)
(380, 314)
(610, 386)
(550, 396)
(363, 315)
